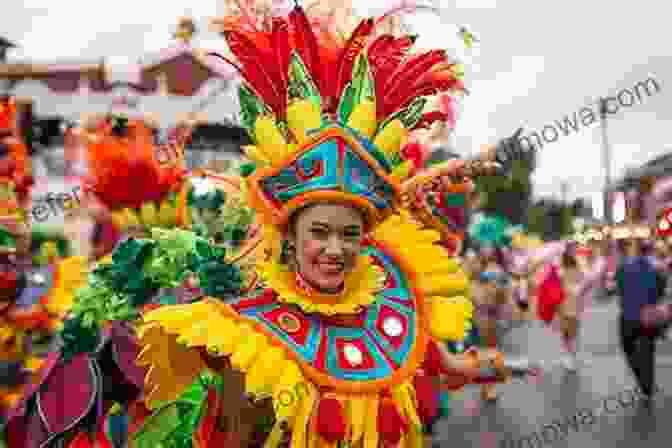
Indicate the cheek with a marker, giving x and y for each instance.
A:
(309, 249)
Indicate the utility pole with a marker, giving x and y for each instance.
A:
(606, 163)
(564, 188)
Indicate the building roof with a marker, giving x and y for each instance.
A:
(659, 166)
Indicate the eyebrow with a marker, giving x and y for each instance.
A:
(349, 227)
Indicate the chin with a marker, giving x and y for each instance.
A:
(331, 283)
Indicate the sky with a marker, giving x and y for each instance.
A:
(535, 63)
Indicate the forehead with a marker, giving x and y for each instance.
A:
(331, 215)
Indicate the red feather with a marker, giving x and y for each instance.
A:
(426, 89)
(385, 57)
(306, 44)
(280, 40)
(429, 118)
(414, 68)
(349, 53)
(250, 55)
(429, 83)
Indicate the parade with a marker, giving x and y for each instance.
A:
(321, 266)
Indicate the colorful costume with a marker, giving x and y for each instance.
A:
(328, 120)
(91, 385)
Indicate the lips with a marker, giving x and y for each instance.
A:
(331, 268)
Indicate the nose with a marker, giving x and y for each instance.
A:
(334, 246)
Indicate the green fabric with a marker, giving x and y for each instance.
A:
(139, 269)
(173, 425)
(490, 231)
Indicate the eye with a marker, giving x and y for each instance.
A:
(318, 232)
(352, 234)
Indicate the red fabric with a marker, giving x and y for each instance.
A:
(427, 397)
(550, 295)
(207, 435)
(330, 420)
(432, 364)
(391, 425)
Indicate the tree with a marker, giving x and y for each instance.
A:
(509, 195)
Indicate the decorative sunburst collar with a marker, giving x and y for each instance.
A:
(359, 291)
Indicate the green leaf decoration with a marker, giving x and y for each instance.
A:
(158, 427)
(409, 116)
(346, 103)
(300, 84)
(362, 82)
(360, 88)
(251, 106)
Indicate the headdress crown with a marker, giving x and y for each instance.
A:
(328, 116)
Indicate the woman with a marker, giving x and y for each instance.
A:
(492, 298)
(356, 297)
(570, 277)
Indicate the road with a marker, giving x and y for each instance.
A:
(528, 408)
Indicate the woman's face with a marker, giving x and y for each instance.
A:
(327, 241)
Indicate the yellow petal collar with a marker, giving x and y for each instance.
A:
(361, 287)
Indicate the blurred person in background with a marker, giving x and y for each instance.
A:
(639, 285)
(492, 300)
(570, 277)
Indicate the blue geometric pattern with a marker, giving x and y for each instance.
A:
(332, 164)
(384, 356)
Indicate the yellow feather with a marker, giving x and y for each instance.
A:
(449, 285)
(167, 214)
(270, 140)
(363, 118)
(246, 353)
(302, 116)
(119, 219)
(148, 214)
(302, 423)
(265, 371)
(225, 336)
(275, 437)
(402, 171)
(449, 317)
(389, 140)
(357, 411)
(288, 391)
(195, 335)
(131, 218)
(371, 435)
(255, 154)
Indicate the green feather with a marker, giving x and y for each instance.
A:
(251, 106)
(346, 103)
(300, 84)
(409, 116)
(362, 81)
(359, 89)
(158, 427)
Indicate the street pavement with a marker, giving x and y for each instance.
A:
(597, 401)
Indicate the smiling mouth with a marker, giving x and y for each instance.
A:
(332, 268)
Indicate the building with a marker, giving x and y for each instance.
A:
(638, 184)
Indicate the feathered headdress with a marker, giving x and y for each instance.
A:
(328, 117)
(136, 171)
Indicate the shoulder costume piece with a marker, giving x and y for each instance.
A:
(328, 120)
